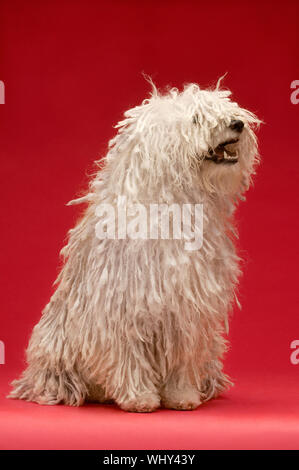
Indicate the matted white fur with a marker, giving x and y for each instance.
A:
(143, 322)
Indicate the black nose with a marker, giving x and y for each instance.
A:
(237, 125)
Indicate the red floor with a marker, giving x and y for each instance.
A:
(256, 414)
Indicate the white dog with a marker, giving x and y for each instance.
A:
(141, 321)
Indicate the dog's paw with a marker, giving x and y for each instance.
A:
(145, 403)
(47, 388)
(25, 390)
(181, 399)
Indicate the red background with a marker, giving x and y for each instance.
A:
(71, 68)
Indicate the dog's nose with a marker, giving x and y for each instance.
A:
(237, 125)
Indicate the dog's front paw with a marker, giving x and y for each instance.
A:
(181, 399)
(145, 403)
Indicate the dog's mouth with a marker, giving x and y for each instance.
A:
(224, 153)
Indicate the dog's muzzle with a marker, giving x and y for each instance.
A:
(224, 153)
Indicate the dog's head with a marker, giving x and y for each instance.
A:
(194, 137)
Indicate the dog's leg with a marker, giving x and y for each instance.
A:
(132, 380)
(199, 378)
(49, 387)
(179, 391)
(53, 375)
